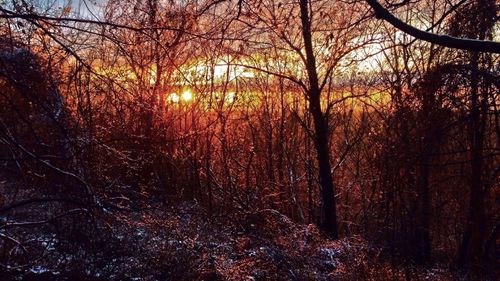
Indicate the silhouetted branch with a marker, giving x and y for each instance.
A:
(32, 16)
(439, 39)
(36, 200)
(31, 223)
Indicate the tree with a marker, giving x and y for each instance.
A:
(321, 139)
(477, 21)
(318, 48)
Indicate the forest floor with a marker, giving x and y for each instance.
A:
(183, 242)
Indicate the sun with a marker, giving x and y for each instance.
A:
(187, 95)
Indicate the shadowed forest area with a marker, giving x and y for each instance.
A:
(249, 140)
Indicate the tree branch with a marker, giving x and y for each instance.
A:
(438, 39)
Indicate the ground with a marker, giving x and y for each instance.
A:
(184, 242)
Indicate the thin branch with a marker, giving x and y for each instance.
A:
(36, 200)
(32, 16)
(30, 223)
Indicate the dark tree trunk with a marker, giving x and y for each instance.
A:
(428, 147)
(329, 224)
(424, 236)
(473, 238)
(329, 215)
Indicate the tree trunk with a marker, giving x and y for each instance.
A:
(473, 238)
(427, 118)
(329, 224)
(424, 236)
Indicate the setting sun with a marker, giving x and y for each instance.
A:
(187, 95)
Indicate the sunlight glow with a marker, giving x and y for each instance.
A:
(174, 97)
(230, 97)
(187, 95)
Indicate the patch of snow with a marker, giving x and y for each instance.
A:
(251, 253)
(331, 253)
(141, 232)
(38, 269)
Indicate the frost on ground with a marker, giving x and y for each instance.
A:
(185, 243)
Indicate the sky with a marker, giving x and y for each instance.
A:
(85, 8)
